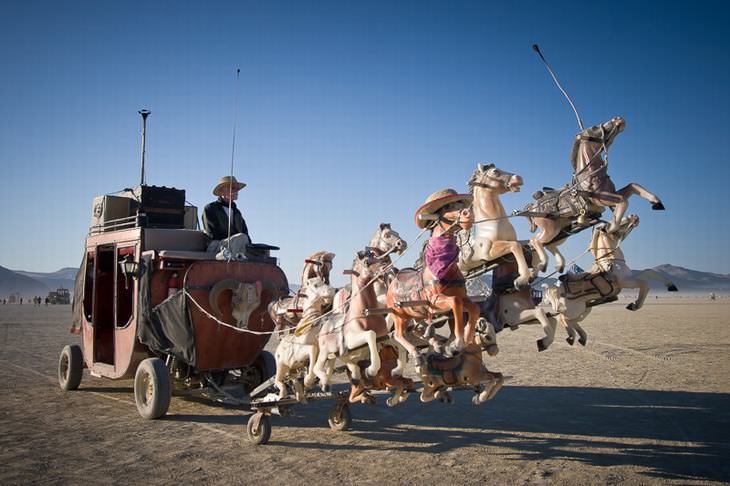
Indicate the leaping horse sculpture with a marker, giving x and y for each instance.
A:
(579, 205)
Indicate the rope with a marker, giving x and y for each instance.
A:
(238, 329)
(302, 329)
(567, 265)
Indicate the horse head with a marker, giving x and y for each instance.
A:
(626, 226)
(593, 140)
(387, 241)
(316, 295)
(318, 265)
(489, 177)
(365, 267)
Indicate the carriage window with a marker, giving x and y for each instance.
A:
(125, 289)
(89, 287)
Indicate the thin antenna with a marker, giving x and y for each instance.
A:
(233, 154)
(536, 48)
(235, 119)
(145, 114)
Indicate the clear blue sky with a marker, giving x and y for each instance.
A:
(352, 113)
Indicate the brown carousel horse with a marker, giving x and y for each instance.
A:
(352, 335)
(560, 213)
(419, 294)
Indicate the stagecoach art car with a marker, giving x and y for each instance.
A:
(151, 304)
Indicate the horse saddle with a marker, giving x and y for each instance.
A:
(560, 203)
(447, 368)
(582, 284)
(408, 286)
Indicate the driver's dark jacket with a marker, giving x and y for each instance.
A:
(215, 221)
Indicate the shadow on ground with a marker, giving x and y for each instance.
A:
(595, 426)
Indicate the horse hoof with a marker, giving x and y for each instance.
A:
(583, 341)
(559, 268)
(570, 340)
(632, 307)
(475, 400)
(540, 345)
(672, 288)
(658, 206)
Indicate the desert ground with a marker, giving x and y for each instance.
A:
(646, 401)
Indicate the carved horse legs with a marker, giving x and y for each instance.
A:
(572, 326)
(619, 201)
(640, 281)
(549, 229)
(500, 248)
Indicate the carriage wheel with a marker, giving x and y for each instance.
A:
(263, 368)
(340, 418)
(258, 429)
(70, 367)
(152, 389)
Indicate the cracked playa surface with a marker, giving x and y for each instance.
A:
(646, 401)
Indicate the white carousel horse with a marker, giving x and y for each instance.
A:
(589, 193)
(297, 351)
(496, 236)
(610, 271)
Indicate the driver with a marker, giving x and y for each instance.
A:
(219, 214)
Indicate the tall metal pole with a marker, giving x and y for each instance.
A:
(536, 48)
(145, 114)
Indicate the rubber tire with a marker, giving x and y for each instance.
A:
(152, 369)
(70, 367)
(267, 364)
(264, 432)
(343, 421)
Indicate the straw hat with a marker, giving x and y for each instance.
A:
(438, 200)
(225, 182)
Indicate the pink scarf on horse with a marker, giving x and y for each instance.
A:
(441, 253)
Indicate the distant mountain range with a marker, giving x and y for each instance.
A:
(28, 284)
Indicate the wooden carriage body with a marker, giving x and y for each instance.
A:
(115, 308)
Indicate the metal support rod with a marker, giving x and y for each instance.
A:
(145, 114)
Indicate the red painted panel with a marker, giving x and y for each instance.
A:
(218, 346)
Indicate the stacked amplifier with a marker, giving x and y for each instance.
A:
(143, 206)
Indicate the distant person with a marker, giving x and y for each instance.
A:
(46, 301)
(21, 301)
(216, 216)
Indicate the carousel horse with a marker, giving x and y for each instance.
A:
(298, 351)
(318, 265)
(285, 312)
(384, 242)
(508, 308)
(560, 213)
(419, 294)
(466, 369)
(494, 236)
(385, 379)
(352, 336)
(574, 298)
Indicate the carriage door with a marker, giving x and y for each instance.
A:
(104, 304)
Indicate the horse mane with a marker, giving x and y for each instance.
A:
(310, 270)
